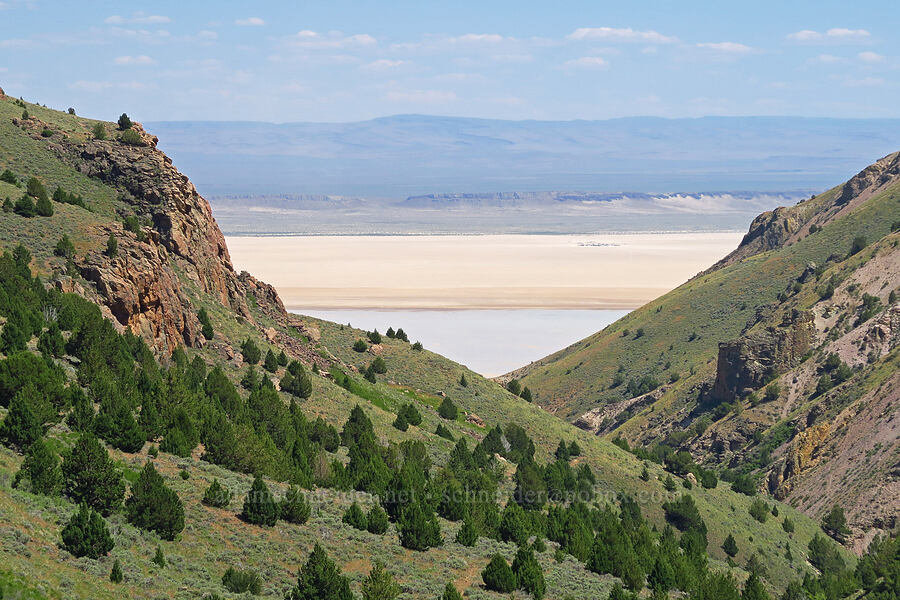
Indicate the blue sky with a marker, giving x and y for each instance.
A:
(347, 61)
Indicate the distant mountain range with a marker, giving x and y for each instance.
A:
(414, 155)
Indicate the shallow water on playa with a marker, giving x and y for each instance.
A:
(490, 342)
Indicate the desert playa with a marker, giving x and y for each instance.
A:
(620, 271)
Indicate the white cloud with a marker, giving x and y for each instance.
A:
(421, 96)
(138, 18)
(134, 61)
(384, 64)
(828, 59)
(589, 62)
(491, 38)
(870, 57)
(250, 22)
(805, 35)
(726, 47)
(626, 34)
(835, 34)
(840, 32)
(332, 39)
(206, 34)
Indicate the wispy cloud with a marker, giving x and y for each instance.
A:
(726, 47)
(470, 38)
(870, 57)
(134, 61)
(384, 64)
(250, 22)
(827, 59)
(627, 34)
(138, 18)
(835, 34)
(588, 62)
(330, 40)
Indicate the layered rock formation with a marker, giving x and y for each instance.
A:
(747, 363)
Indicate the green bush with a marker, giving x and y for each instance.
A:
(294, 507)
(124, 122)
(320, 579)
(240, 582)
(115, 575)
(377, 520)
(131, 138)
(380, 584)
(498, 576)
(360, 346)
(153, 506)
(91, 477)
(355, 517)
(86, 534)
(217, 495)
(99, 131)
(260, 507)
(40, 470)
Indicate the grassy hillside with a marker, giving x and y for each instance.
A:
(116, 371)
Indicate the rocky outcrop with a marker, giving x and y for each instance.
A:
(142, 286)
(873, 176)
(603, 419)
(747, 363)
(142, 293)
(802, 454)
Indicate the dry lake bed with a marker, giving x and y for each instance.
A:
(492, 302)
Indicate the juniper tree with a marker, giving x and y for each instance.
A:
(64, 247)
(250, 351)
(419, 528)
(451, 593)
(91, 477)
(207, 328)
(270, 363)
(159, 559)
(294, 507)
(153, 506)
(730, 546)
(99, 131)
(22, 426)
(447, 410)
(380, 584)
(320, 579)
(377, 520)
(112, 246)
(40, 470)
(217, 495)
(124, 122)
(355, 517)
(115, 575)
(260, 507)
(86, 534)
(467, 534)
(529, 575)
(498, 576)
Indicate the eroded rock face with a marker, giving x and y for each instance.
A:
(873, 176)
(142, 292)
(746, 363)
(142, 285)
